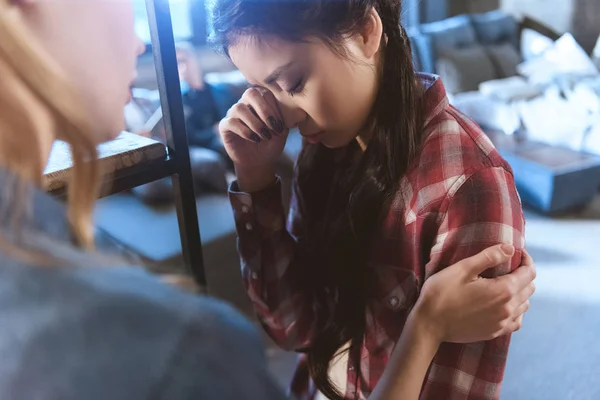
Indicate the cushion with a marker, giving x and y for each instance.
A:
(488, 112)
(451, 33)
(432, 10)
(462, 70)
(505, 58)
(510, 89)
(554, 120)
(565, 57)
(534, 44)
(421, 51)
(496, 27)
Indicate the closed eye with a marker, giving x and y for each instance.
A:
(297, 88)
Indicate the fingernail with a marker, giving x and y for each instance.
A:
(276, 124)
(507, 249)
(255, 138)
(265, 132)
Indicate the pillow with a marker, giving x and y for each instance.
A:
(462, 70)
(534, 44)
(510, 89)
(496, 27)
(488, 112)
(451, 33)
(565, 57)
(505, 58)
(554, 120)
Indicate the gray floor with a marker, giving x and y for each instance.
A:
(556, 356)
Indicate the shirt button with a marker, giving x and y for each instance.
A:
(249, 226)
(245, 209)
(254, 275)
(394, 301)
(351, 368)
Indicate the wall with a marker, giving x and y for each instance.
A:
(580, 17)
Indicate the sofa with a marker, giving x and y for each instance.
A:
(467, 51)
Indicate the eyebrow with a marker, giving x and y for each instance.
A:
(274, 76)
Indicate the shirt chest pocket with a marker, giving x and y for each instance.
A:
(397, 288)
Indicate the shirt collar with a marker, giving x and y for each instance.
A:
(436, 100)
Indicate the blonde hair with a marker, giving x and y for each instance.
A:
(37, 104)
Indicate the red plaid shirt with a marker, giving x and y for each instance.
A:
(458, 199)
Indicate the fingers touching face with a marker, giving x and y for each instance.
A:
(315, 88)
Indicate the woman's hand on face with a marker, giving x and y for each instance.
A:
(457, 305)
(253, 131)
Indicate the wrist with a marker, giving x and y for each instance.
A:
(424, 325)
(255, 178)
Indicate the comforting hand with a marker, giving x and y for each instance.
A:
(457, 305)
(253, 131)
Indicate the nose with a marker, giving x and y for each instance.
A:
(140, 46)
(292, 114)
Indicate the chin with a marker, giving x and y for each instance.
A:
(108, 136)
(114, 135)
(331, 145)
(337, 144)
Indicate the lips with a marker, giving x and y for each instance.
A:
(130, 97)
(315, 137)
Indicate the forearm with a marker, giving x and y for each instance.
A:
(405, 372)
(272, 269)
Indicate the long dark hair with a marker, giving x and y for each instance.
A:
(344, 200)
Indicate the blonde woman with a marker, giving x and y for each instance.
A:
(76, 324)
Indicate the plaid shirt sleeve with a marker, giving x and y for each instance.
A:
(270, 264)
(482, 209)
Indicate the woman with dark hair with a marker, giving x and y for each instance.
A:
(393, 185)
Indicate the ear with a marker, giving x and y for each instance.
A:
(370, 34)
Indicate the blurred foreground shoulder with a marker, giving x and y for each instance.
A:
(121, 334)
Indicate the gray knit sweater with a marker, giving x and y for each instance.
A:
(82, 330)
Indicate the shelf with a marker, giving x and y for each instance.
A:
(126, 162)
(132, 160)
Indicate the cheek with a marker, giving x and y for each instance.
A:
(109, 89)
(336, 104)
(124, 43)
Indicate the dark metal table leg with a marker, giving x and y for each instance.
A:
(163, 48)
